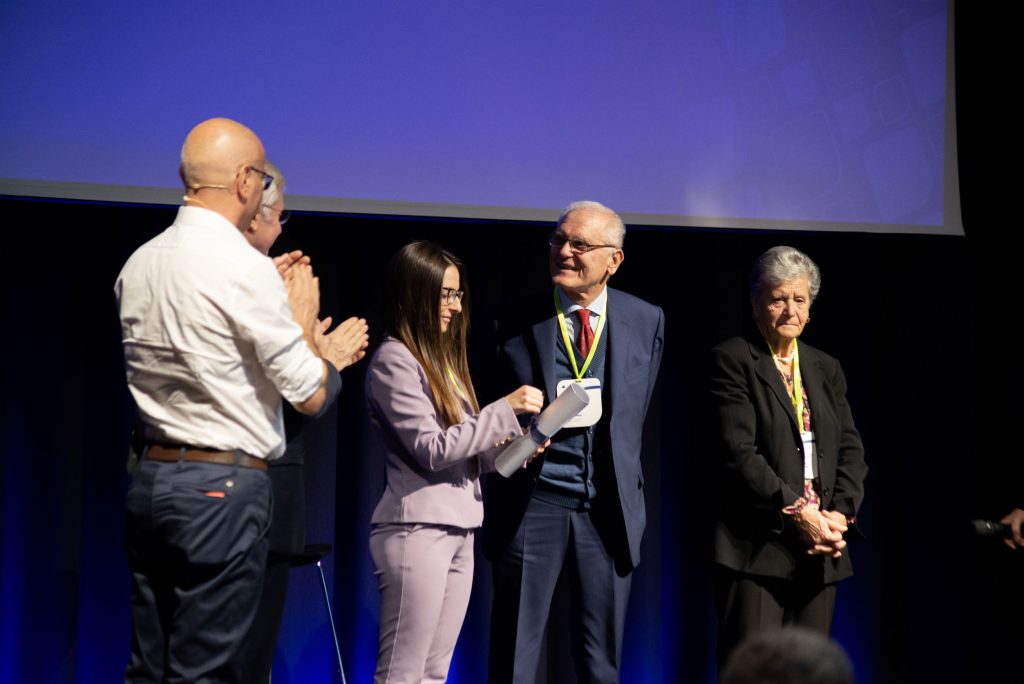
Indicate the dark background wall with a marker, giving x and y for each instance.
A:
(925, 328)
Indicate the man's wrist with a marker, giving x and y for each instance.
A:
(311, 342)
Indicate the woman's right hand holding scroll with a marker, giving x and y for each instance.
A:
(526, 399)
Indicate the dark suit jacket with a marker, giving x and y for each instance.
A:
(525, 344)
(761, 458)
(287, 532)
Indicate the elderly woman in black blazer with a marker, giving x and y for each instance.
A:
(791, 462)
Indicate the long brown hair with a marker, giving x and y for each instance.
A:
(412, 314)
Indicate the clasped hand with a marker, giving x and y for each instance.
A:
(822, 531)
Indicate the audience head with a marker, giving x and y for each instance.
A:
(792, 655)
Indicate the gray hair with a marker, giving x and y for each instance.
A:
(783, 263)
(616, 234)
(274, 192)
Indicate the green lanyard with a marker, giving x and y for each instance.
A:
(569, 346)
(798, 395)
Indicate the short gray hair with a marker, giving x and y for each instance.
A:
(782, 263)
(274, 192)
(616, 232)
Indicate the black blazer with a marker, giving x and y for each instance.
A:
(760, 458)
(287, 531)
(525, 347)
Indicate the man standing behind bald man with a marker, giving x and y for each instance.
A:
(211, 344)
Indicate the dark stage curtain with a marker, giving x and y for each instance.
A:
(896, 310)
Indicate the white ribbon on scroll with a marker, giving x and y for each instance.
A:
(550, 421)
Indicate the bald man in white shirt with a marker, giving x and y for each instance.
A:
(211, 345)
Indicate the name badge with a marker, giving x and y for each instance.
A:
(810, 459)
(591, 413)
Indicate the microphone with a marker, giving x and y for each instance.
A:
(988, 528)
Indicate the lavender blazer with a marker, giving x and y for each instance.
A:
(433, 473)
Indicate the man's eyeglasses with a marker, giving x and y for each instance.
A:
(282, 215)
(450, 295)
(268, 180)
(557, 240)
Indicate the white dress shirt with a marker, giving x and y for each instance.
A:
(210, 346)
(570, 308)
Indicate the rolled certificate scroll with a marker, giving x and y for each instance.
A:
(568, 404)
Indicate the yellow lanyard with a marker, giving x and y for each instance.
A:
(569, 346)
(797, 397)
(458, 388)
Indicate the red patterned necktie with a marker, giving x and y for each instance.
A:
(585, 337)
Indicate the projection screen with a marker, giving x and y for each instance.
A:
(737, 113)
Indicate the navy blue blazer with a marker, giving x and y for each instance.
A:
(525, 341)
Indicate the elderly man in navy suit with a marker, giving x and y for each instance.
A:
(579, 506)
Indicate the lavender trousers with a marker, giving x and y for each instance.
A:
(425, 575)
